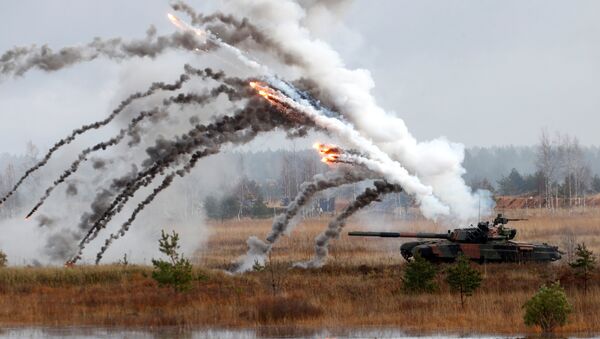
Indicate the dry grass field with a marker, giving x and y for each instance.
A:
(359, 287)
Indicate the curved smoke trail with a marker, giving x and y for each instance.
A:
(20, 60)
(334, 228)
(95, 125)
(165, 153)
(391, 170)
(437, 163)
(259, 249)
(131, 130)
(255, 118)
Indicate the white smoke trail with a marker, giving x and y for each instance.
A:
(334, 228)
(437, 163)
(375, 160)
(258, 250)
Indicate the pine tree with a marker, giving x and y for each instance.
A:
(596, 184)
(418, 276)
(177, 272)
(462, 278)
(3, 259)
(584, 264)
(548, 308)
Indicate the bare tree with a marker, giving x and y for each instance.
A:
(547, 164)
(242, 186)
(569, 244)
(10, 207)
(288, 178)
(32, 151)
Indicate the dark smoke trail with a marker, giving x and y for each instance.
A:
(258, 249)
(235, 31)
(165, 153)
(189, 71)
(307, 191)
(20, 60)
(151, 90)
(131, 130)
(335, 226)
(234, 137)
(256, 117)
(164, 185)
(181, 6)
(83, 155)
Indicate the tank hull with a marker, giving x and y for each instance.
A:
(447, 251)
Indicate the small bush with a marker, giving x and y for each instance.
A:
(276, 308)
(3, 259)
(177, 272)
(548, 308)
(258, 267)
(124, 261)
(418, 276)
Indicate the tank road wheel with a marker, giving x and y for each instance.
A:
(406, 254)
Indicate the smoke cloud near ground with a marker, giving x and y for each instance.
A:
(258, 250)
(334, 228)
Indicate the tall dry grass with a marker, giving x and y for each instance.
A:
(360, 286)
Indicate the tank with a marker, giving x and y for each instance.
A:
(488, 242)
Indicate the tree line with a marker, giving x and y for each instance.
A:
(563, 175)
(254, 183)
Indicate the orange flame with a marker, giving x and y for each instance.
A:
(263, 90)
(329, 153)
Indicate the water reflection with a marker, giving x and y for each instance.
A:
(261, 332)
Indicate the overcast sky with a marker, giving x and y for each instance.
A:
(478, 72)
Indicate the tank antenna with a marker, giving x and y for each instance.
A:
(479, 195)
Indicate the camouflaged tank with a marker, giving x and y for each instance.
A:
(488, 242)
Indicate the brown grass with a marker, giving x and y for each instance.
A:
(360, 286)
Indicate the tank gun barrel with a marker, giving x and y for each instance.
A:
(501, 220)
(400, 235)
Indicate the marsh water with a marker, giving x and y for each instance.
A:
(266, 332)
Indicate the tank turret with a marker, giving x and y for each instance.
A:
(489, 241)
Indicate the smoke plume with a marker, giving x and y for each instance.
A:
(255, 118)
(380, 161)
(335, 227)
(258, 249)
(20, 60)
(132, 130)
(96, 125)
(437, 163)
(327, 96)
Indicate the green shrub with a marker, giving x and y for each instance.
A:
(584, 264)
(418, 276)
(177, 272)
(3, 259)
(462, 278)
(548, 308)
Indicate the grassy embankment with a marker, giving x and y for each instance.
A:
(359, 287)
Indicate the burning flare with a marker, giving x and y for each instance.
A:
(264, 90)
(329, 153)
(184, 26)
